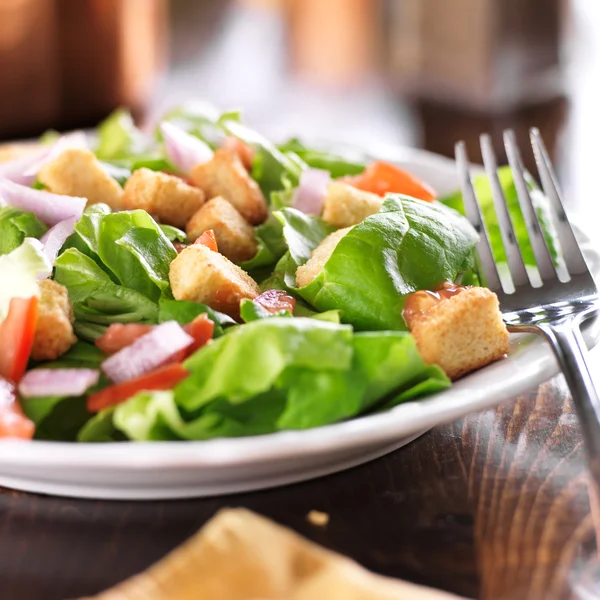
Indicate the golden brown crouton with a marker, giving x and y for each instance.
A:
(77, 172)
(461, 333)
(345, 205)
(319, 256)
(201, 275)
(235, 236)
(226, 176)
(54, 330)
(166, 197)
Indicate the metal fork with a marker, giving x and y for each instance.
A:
(567, 294)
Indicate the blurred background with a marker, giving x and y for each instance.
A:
(422, 73)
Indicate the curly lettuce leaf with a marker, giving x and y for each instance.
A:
(240, 389)
(408, 245)
(15, 226)
(173, 234)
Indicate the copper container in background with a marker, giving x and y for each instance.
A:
(68, 63)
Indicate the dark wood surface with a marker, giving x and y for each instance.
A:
(494, 506)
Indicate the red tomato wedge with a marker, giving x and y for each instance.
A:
(119, 336)
(16, 337)
(209, 240)
(201, 329)
(275, 301)
(13, 423)
(165, 378)
(382, 178)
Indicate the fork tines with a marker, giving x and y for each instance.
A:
(549, 269)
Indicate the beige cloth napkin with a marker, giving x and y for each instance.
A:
(239, 555)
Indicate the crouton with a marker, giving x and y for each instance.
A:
(462, 332)
(226, 176)
(345, 205)
(54, 330)
(77, 172)
(166, 197)
(201, 275)
(235, 236)
(319, 256)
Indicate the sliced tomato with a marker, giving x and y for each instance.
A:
(119, 335)
(382, 178)
(244, 151)
(209, 240)
(201, 329)
(16, 337)
(275, 301)
(13, 423)
(165, 378)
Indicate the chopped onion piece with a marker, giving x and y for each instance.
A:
(49, 208)
(147, 353)
(55, 237)
(23, 169)
(184, 150)
(57, 382)
(310, 194)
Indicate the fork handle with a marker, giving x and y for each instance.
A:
(571, 352)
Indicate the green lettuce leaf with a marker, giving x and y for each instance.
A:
(15, 226)
(281, 376)
(173, 234)
(97, 300)
(185, 312)
(118, 137)
(338, 165)
(484, 194)
(408, 245)
(253, 311)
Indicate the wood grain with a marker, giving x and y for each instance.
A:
(494, 506)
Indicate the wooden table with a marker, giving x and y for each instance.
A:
(494, 506)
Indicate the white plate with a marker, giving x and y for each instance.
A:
(183, 469)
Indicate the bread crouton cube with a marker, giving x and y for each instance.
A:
(319, 256)
(54, 330)
(235, 236)
(199, 274)
(462, 332)
(166, 197)
(345, 205)
(77, 172)
(226, 176)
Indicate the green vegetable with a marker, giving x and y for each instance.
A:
(15, 226)
(100, 428)
(19, 271)
(173, 234)
(185, 312)
(338, 165)
(276, 374)
(118, 137)
(407, 246)
(97, 300)
(253, 311)
(484, 194)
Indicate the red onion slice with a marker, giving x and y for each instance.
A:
(24, 169)
(184, 150)
(57, 382)
(147, 353)
(55, 237)
(49, 208)
(309, 195)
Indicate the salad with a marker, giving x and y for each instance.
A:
(199, 281)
